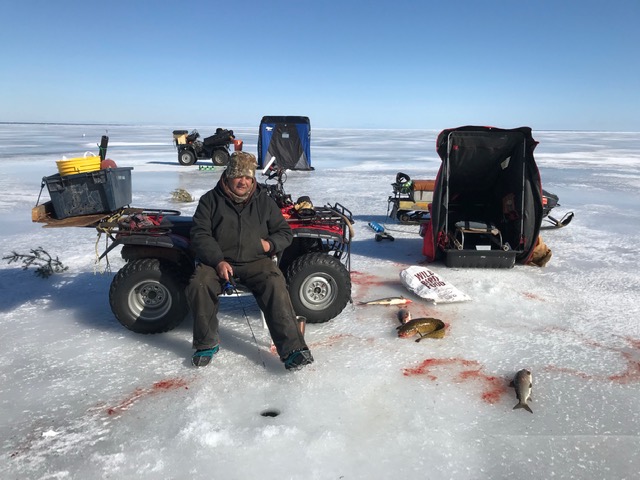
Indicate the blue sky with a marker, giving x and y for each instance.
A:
(359, 64)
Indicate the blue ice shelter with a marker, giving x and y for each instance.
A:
(288, 138)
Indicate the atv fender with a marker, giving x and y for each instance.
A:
(180, 257)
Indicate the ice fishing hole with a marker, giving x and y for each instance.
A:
(271, 412)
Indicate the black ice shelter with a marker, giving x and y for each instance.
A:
(487, 201)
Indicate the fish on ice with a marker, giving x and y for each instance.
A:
(523, 382)
(425, 327)
(388, 301)
(404, 315)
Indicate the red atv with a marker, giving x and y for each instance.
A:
(147, 295)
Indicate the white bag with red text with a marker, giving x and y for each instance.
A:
(429, 285)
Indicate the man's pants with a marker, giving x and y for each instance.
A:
(265, 280)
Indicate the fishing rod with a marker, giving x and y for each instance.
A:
(229, 288)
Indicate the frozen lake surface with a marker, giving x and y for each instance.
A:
(82, 397)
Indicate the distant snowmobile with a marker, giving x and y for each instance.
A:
(550, 201)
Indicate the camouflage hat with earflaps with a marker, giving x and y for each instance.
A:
(241, 164)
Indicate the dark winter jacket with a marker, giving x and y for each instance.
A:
(223, 230)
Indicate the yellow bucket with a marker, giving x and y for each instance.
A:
(78, 165)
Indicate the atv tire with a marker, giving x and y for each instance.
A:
(319, 286)
(186, 157)
(220, 157)
(148, 296)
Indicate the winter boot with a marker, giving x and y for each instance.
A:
(201, 358)
(298, 359)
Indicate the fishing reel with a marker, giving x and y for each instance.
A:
(229, 287)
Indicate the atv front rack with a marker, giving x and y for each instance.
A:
(329, 220)
(333, 224)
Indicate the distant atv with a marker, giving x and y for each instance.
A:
(147, 295)
(215, 147)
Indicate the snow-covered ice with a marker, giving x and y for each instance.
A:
(82, 397)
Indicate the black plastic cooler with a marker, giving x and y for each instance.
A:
(100, 191)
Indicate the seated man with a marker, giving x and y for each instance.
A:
(237, 229)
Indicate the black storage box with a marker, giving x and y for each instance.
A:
(221, 137)
(480, 258)
(101, 191)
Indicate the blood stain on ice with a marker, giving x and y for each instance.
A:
(468, 370)
(140, 393)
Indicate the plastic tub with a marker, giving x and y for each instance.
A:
(88, 193)
(78, 165)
